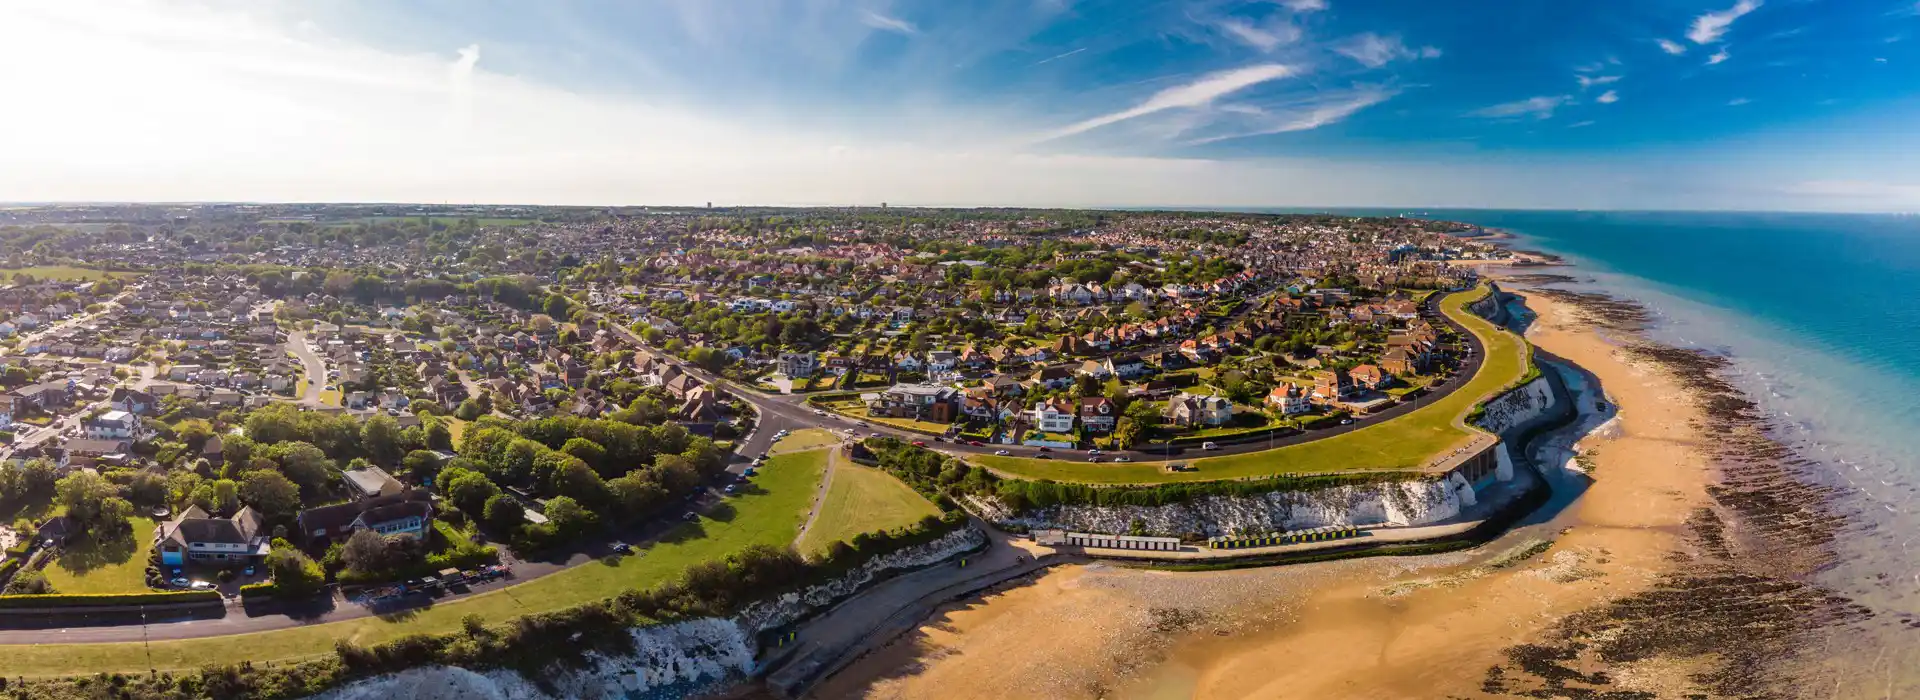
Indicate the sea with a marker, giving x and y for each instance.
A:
(1819, 315)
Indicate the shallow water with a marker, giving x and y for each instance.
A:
(1818, 318)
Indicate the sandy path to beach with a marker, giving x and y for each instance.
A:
(1403, 628)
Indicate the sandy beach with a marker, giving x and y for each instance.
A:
(1489, 622)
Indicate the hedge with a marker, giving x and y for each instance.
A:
(7, 568)
(85, 600)
(254, 590)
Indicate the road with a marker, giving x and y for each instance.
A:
(313, 366)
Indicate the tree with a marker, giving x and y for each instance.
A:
(85, 495)
(303, 463)
(194, 432)
(635, 495)
(580, 482)
(365, 552)
(421, 465)
(504, 515)
(567, 516)
(438, 437)
(217, 497)
(587, 450)
(270, 493)
(294, 573)
(147, 489)
(380, 436)
(468, 490)
(469, 410)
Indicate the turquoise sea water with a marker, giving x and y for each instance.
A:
(1821, 317)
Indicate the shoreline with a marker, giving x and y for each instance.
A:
(1645, 535)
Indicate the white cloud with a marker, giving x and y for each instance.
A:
(1057, 57)
(1718, 58)
(1305, 5)
(1537, 107)
(1708, 28)
(1587, 81)
(1374, 51)
(1737, 101)
(1581, 124)
(1320, 112)
(1673, 48)
(1265, 38)
(891, 24)
(1198, 93)
(1608, 97)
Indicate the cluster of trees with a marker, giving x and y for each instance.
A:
(590, 470)
(379, 438)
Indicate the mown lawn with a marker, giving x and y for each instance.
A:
(65, 273)
(863, 499)
(770, 513)
(804, 439)
(114, 566)
(1405, 442)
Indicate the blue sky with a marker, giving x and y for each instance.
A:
(1671, 104)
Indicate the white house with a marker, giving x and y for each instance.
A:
(1290, 400)
(1052, 416)
(113, 425)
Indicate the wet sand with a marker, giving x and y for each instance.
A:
(1608, 610)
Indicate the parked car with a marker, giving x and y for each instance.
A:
(1046, 449)
(731, 489)
(179, 583)
(1209, 446)
(975, 443)
(1094, 459)
(690, 516)
(919, 443)
(1122, 458)
(1043, 456)
(201, 586)
(1094, 451)
(750, 471)
(1002, 453)
(1343, 421)
(622, 548)
(819, 412)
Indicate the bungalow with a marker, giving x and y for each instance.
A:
(202, 539)
(405, 513)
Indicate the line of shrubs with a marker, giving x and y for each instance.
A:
(84, 600)
(1022, 495)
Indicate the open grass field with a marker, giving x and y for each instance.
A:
(770, 513)
(863, 499)
(117, 566)
(804, 439)
(65, 273)
(1402, 443)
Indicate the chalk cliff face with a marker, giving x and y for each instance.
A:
(670, 661)
(1517, 407)
(1411, 502)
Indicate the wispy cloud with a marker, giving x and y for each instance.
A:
(1373, 50)
(1198, 93)
(1319, 113)
(1057, 57)
(1708, 28)
(1718, 58)
(1540, 107)
(1305, 5)
(1608, 97)
(1265, 38)
(1587, 81)
(891, 24)
(1581, 124)
(1673, 48)
(1738, 101)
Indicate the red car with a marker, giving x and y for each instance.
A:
(919, 443)
(975, 443)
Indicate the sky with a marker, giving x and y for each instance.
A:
(1619, 104)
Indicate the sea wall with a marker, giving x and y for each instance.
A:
(1411, 502)
(670, 661)
(1526, 403)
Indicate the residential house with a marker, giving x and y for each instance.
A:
(371, 482)
(133, 401)
(1289, 400)
(1055, 377)
(1333, 386)
(1053, 416)
(1098, 414)
(1126, 366)
(927, 402)
(407, 513)
(113, 425)
(1191, 410)
(196, 537)
(1370, 377)
(798, 364)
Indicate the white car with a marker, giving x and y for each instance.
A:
(201, 586)
(1209, 446)
(1002, 453)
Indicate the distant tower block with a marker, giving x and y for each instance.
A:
(1503, 463)
(883, 205)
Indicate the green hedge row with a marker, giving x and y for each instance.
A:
(88, 600)
(8, 567)
(257, 590)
